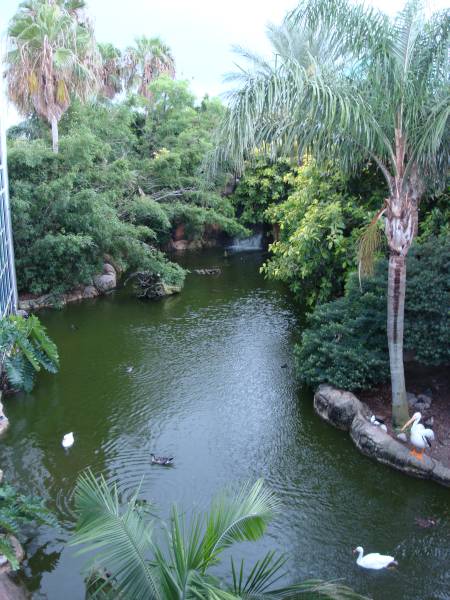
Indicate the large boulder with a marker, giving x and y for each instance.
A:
(107, 280)
(343, 410)
(338, 407)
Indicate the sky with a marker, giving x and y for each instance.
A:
(201, 33)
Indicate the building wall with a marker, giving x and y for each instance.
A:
(8, 287)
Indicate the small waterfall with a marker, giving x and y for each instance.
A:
(253, 242)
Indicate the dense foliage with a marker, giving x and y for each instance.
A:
(132, 562)
(17, 511)
(344, 343)
(319, 226)
(263, 184)
(27, 349)
(123, 179)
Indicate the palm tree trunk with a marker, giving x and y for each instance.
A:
(55, 135)
(395, 321)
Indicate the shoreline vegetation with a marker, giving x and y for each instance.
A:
(336, 149)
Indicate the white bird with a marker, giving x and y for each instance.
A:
(375, 560)
(383, 427)
(420, 437)
(68, 440)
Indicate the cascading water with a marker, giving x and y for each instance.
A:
(253, 242)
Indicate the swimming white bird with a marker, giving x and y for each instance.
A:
(68, 440)
(420, 437)
(374, 560)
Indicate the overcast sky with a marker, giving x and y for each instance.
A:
(200, 32)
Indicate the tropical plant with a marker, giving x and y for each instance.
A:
(111, 70)
(319, 224)
(344, 341)
(16, 511)
(263, 184)
(351, 84)
(145, 61)
(52, 58)
(177, 564)
(26, 349)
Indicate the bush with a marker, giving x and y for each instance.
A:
(26, 348)
(319, 225)
(345, 342)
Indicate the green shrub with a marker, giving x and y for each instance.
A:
(27, 349)
(345, 344)
(319, 225)
(16, 511)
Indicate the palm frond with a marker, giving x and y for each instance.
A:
(121, 540)
(242, 516)
(369, 243)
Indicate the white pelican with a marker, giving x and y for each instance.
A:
(419, 436)
(68, 440)
(374, 560)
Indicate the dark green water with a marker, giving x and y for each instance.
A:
(208, 387)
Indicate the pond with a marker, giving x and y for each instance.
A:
(213, 385)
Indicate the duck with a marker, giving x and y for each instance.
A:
(375, 560)
(68, 440)
(420, 437)
(165, 461)
(129, 369)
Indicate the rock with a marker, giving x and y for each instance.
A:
(429, 422)
(106, 281)
(5, 567)
(402, 437)
(337, 406)
(4, 421)
(344, 410)
(9, 590)
(109, 269)
(22, 313)
(90, 291)
(412, 399)
(210, 271)
(424, 401)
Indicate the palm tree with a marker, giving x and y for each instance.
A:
(145, 61)
(352, 85)
(131, 563)
(52, 58)
(111, 71)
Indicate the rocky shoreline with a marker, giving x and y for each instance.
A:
(343, 410)
(101, 284)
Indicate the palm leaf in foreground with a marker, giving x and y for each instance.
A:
(138, 567)
(122, 540)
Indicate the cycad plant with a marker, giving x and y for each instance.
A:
(25, 348)
(132, 563)
(352, 85)
(145, 61)
(52, 58)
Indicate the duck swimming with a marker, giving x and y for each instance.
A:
(165, 461)
(68, 440)
(375, 560)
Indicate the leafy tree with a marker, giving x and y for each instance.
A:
(319, 226)
(141, 565)
(344, 343)
(355, 86)
(16, 511)
(26, 349)
(146, 61)
(52, 59)
(262, 185)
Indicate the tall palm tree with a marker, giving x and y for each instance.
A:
(111, 70)
(131, 563)
(357, 87)
(144, 62)
(52, 58)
